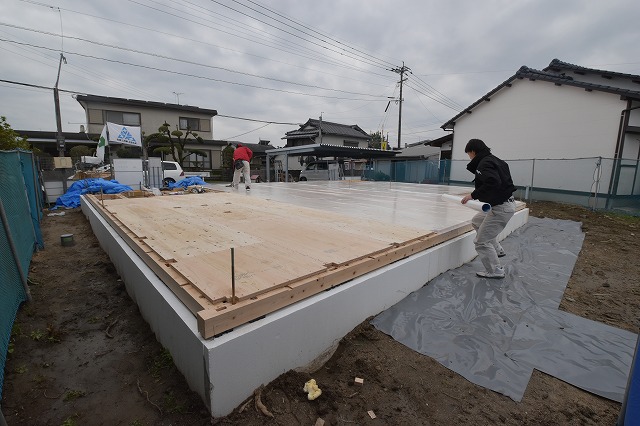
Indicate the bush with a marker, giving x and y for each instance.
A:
(129, 152)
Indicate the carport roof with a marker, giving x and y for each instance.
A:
(327, 150)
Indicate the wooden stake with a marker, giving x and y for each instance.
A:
(233, 278)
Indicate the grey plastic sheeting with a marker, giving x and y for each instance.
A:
(495, 332)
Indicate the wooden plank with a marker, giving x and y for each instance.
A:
(193, 299)
(225, 317)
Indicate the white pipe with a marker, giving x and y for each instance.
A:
(473, 204)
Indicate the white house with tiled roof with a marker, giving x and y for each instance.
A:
(562, 112)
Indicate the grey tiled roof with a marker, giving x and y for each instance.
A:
(146, 104)
(558, 65)
(328, 128)
(558, 79)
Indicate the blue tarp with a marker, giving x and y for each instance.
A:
(71, 198)
(192, 180)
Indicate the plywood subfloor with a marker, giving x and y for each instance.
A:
(289, 240)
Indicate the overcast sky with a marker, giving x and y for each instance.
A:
(290, 60)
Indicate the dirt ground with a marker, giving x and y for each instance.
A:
(81, 354)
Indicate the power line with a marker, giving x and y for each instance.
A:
(87, 75)
(311, 29)
(157, 31)
(300, 51)
(234, 31)
(18, 83)
(258, 121)
(181, 60)
(436, 92)
(433, 98)
(425, 107)
(196, 76)
(250, 131)
(292, 34)
(380, 62)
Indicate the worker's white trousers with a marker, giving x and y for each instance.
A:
(488, 226)
(244, 170)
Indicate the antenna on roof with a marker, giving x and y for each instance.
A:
(178, 96)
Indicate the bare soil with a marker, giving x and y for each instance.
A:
(81, 354)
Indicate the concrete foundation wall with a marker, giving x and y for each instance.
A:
(225, 370)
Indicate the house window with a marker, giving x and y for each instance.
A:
(198, 161)
(350, 143)
(123, 118)
(95, 116)
(187, 123)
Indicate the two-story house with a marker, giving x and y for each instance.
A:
(325, 132)
(149, 116)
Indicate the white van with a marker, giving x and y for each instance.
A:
(171, 172)
(321, 170)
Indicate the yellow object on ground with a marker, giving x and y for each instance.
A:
(312, 388)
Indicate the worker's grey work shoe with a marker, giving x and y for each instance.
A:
(498, 273)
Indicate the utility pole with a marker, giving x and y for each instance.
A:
(400, 71)
(320, 128)
(56, 99)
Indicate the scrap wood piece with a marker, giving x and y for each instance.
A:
(359, 381)
(371, 414)
(259, 405)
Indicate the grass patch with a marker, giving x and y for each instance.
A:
(160, 362)
(172, 405)
(53, 334)
(73, 394)
(37, 335)
(69, 421)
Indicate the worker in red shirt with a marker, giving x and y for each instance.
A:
(241, 157)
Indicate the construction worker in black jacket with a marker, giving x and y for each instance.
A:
(493, 185)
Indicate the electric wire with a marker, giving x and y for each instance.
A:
(431, 97)
(300, 51)
(424, 106)
(195, 76)
(432, 94)
(258, 121)
(436, 92)
(157, 31)
(188, 62)
(366, 60)
(245, 133)
(297, 50)
(419, 85)
(35, 86)
(87, 74)
(315, 31)
(374, 61)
